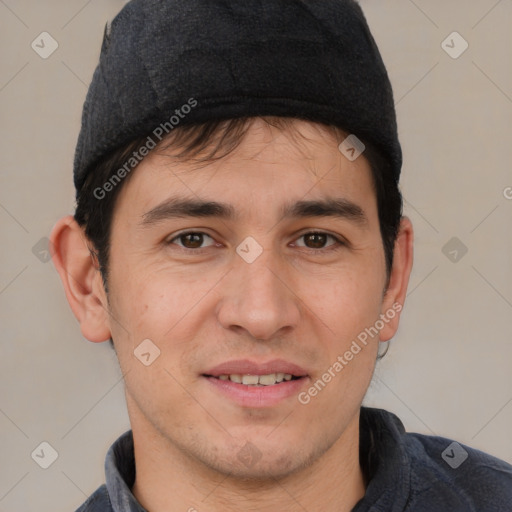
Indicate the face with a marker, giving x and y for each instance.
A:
(261, 285)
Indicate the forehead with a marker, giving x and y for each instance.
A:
(267, 170)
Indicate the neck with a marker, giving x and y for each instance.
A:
(168, 480)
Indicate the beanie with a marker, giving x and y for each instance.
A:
(167, 63)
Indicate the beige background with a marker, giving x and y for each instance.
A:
(448, 369)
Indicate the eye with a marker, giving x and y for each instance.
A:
(317, 240)
(191, 239)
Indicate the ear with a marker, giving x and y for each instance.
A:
(81, 278)
(394, 297)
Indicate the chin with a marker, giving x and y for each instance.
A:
(261, 472)
(249, 463)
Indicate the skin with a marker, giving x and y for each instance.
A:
(297, 301)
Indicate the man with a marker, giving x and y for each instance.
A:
(239, 238)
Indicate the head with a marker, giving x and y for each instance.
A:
(241, 240)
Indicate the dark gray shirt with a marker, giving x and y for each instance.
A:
(407, 472)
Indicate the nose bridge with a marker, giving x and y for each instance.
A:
(256, 268)
(258, 299)
(258, 278)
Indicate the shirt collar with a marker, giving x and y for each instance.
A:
(120, 475)
(384, 457)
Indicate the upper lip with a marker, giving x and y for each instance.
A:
(248, 367)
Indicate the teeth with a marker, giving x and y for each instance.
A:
(255, 380)
(268, 380)
(250, 379)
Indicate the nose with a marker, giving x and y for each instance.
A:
(259, 298)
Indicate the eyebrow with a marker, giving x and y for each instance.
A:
(176, 207)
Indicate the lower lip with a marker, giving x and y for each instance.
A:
(258, 396)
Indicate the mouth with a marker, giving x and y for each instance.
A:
(269, 379)
(256, 385)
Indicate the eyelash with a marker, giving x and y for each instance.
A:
(334, 247)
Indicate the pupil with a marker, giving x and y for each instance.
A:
(198, 240)
(318, 239)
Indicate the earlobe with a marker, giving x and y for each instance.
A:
(394, 297)
(81, 279)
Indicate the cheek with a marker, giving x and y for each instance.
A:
(156, 304)
(349, 309)
(346, 301)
